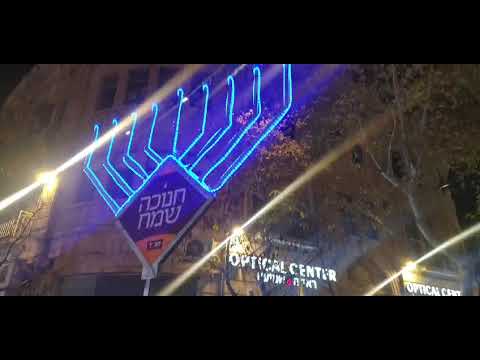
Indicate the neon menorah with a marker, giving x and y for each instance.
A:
(209, 145)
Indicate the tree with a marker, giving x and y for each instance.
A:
(432, 109)
(428, 127)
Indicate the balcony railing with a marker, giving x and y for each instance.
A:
(14, 227)
(7, 229)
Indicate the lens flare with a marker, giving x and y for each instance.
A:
(373, 128)
(123, 125)
(452, 241)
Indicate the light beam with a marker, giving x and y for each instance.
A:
(123, 125)
(452, 241)
(373, 128)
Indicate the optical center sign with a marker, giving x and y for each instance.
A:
(422, 283)
(283, 273)
(414, 289)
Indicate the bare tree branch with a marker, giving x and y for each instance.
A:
(403, 135)
(424, 228)
(389, 154)
(390, 179)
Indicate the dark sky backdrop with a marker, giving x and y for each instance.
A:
(10, 75)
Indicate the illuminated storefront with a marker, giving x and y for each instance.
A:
(422, 282)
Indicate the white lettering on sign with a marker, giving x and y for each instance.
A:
(430, 290)
(160, 208)
(279, 272)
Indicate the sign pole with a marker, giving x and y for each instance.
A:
(148, 273)
(146, 289)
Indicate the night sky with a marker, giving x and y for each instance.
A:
(10, 75)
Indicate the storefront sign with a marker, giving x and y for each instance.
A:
(284, 273)
(414, 289)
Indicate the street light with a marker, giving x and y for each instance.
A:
(49, 181)
(237, 248)
(237, 232)
(410, 266)
(408, 271)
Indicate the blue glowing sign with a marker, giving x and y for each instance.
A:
(207, 143)
(158, 216)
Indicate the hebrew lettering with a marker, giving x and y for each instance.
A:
(147, 222)
(170, 199)
(183, 192)
(171, 219)
(147, 199)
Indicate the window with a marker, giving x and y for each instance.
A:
(289, 131)
(53, 130)
(6, 271)
(107, 92)
(194, 249)
(137, 86)
(349, 225)
(42, 117)
(372, 232)
(78, 286)
(119, 285)
(3, 273)
(85, 191)
(165, 74)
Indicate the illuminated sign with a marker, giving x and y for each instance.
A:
(282, 273)
(210, 151)
(414, 289)
(162, 213)
(195, 154)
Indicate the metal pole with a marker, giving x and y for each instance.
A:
(225, 274)
(146, 289)
(148, 273)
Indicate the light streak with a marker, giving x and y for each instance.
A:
(452, 241)
(373, 128)
(160, 95)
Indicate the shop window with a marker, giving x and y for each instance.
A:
(107, 92)
(78, 286)
(137, 86)
(189, 288)
(119, 285)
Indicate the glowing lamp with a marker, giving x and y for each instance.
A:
(48, 179)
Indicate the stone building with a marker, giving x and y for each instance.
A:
(71, 246)
(80, 251)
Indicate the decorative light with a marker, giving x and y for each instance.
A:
(232, 144)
